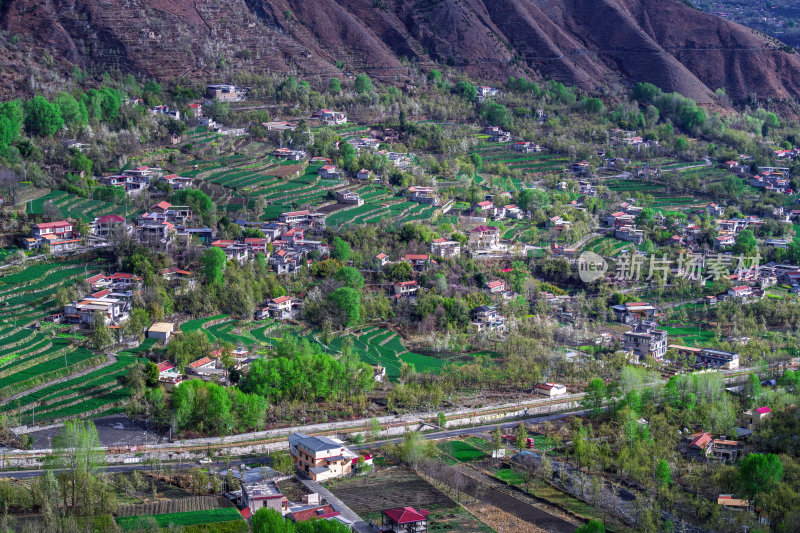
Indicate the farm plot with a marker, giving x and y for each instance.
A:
(191, 518)
(461, 451)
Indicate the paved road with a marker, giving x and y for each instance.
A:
(24, 474)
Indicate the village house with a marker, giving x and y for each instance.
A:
(485, 317)
(286, 261)
(279, 125)
(496, 287)
(320, 458)
(51, 232)
(111, 309)
(630, 234)
(289, 154)
(752, 419)
(177, 182)
(364, 175)
(104, 226)
(380, 261)
(558, 223)
(233, 250)
(633, 312)
(263, 494)
(484, 91)
(225, 92)
(497, 135)
(645, 339)
(329, 172)
(445, 248)
(175, 275)
(161, 331)
(329, 117)
(419, 262)
(526, 147)
(484, 237)
(168, 372)
(280, 308)
(423, 195)
(742, 293)
(349, 197)
(405, 289)
(550, 389)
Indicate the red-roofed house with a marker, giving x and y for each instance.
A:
(58, 230)
(161, 207)
(700, 442)
(202, 363)
(319, 512)
(405, 520)
(496, 287)
(445, 248)
(104, 226)
(741, 292)
(405, 289)
(483, 237)
(753, 418)
(329, 172)
(550, 389)
(419, 262)
(282, 308)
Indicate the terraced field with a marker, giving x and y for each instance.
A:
(72, 206)
(527, 163)
(32, 353)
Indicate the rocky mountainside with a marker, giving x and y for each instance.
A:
(590, 43)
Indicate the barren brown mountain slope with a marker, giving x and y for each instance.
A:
(591, 43)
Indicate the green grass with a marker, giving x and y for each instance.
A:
(510, 476)
(192, 518)
(461, 451)
(690, 336)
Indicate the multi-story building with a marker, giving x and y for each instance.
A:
(320, 458)
(445, 248)
(487, 318)
(645, 339)
(484, 237)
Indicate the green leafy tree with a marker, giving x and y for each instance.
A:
(213, 264)
(663, 474)
(77, 458)
(594, 395)
(101, 335)
(351, 277)
(521, 437)
(151, 374)
(745, 243)
(267, 520)
(42, 118)
(496, 114)
(282, 462)
(347, 302)
(11, 120)
(72, 111)
(363, 84)
(759, 473)
(334, 86)
(196, 199)
(340, 249)
(497, 438)
(441, 420)
(466, 90)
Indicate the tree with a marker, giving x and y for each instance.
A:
(521, 437)
(593, 106)
(663, 474)
(11, 119)
(497, 438)
(42, 118)
(592, 526)
(340, 249)
(593, 400)
(435, 77)
(77, 458)
(10, 185)
(746, 243)
(759, 473)
(151, 374)
(73, 112)
(414, 448)
(466, 90)
(441, 420)
(334, 86)
(348, 302)
(282, 462)
(363, 84)
(194, 198)
(213, 264)
(267, 520)
(400, 271)
(752, 390)
(496, 114)
(350, 277)
(101, 335)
